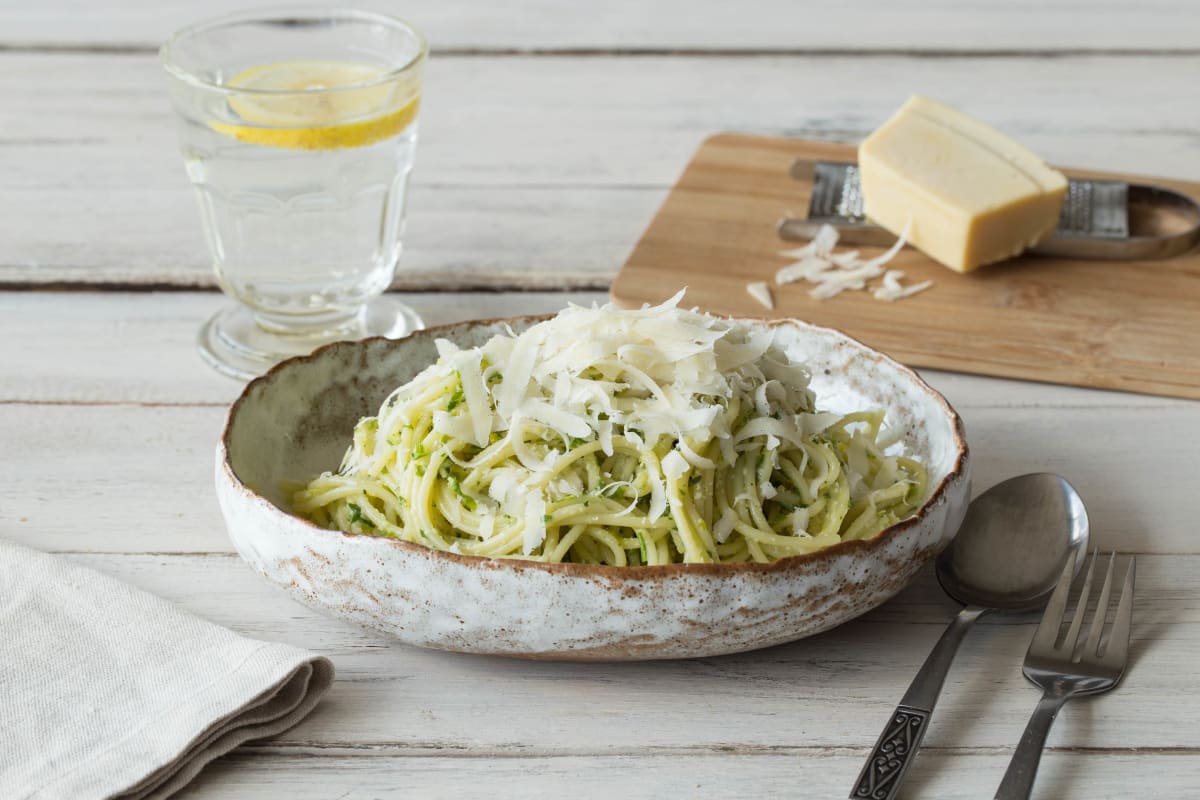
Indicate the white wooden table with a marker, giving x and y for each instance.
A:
(549, 136)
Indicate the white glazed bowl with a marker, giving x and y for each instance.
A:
(296, 421)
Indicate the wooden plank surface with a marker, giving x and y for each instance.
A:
(1111, 324)
(547, 183)
(66, 341)
(922, 25)
(947, 776)
(550, 134)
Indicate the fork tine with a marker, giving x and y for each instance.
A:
(1117, 649)
(1047, 630)
(1092, 645)
(1081, 605)
(1060, 674)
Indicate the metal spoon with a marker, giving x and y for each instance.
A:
(1007, 556)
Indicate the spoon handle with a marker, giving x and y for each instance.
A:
(897, 746)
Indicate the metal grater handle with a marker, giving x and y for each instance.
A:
(1094, 221)
(1095, 208)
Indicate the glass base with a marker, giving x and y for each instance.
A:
(235, 343)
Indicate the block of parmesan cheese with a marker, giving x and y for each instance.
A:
(969, 194)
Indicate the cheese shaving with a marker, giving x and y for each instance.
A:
(762, 293)
(834, 273)
(644, 437)
(892, 289)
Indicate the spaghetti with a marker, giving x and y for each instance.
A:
(629, 438)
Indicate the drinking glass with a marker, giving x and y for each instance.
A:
(298, 130)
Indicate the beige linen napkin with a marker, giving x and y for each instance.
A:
(109, 692)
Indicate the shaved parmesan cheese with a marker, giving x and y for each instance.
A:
(674, 465)
(503, 481)
(858, 464)
(724, 525)
(766, 426)
(658, 375)
(658, 496)
(834, 283)
(475, 394)
(525, 452)
(691, 429)
(890, 435)
(535, 523)
(557, 418)
(810, 268)
(762, 293)
(800, 523)
(833, 273)
(519, 365)
(845, 260)
(892, 289)
(888, 474)
(456, 426)
(820, 245)
(568, 486)
(604, 432)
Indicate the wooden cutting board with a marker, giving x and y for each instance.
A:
(1133, 325)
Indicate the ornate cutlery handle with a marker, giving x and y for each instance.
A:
(894, 751)
(897, 746)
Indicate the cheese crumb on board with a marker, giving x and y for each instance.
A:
(973, 196)
(762, 293)
(892, 289)
(834, 273)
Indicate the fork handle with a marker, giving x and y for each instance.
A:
(1022, 770)
(897, 746)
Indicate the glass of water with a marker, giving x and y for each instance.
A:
(298, 130)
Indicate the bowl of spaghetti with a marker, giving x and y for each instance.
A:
(603, 484)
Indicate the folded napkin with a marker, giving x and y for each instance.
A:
(109, 692)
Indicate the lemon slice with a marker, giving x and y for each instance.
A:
(288, 107)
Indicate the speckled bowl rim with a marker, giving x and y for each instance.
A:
(606, 571)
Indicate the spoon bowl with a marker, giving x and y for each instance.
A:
(1012, 545)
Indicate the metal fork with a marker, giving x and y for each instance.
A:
(1063, 670)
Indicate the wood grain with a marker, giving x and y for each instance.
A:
(547, 181)
(1083, 775)
(1124, 325)
(550, 134)
(67, 340)
(921, 26)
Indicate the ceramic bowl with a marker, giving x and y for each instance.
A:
(296, 421)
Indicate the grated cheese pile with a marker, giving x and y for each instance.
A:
(833, 273)
(653, 371)
(592, 373)
(608, 436)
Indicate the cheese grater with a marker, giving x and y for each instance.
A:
(1100, 219)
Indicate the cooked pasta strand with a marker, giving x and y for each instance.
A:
(652, 437)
